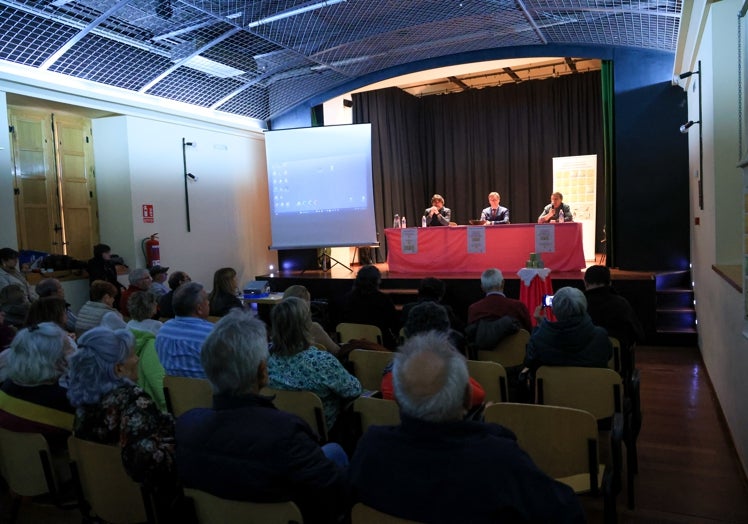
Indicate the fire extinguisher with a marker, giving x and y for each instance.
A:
(151, 251)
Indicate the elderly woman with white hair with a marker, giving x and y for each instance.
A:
(35, 362)
(112, 409)
(573, 340)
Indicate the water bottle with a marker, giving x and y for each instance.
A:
(423, 221)
(396, 222)
(403, 223)
(561, 215)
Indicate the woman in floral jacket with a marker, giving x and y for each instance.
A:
(112, 409)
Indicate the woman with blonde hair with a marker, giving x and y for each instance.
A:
(223, 296)
(295, 364)
(320, 338)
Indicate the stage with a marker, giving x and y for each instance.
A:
(462, 288)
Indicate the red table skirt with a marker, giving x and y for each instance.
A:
(508, 246)
(532, 296)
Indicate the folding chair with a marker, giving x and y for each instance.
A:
(210, 509)
(184, 393)
(347, 331)
(26, 465)
(305, 404)
(492, 377)
(376, 412)
(363, 514)
(510, 352)
(563, 442)
(104, 486)
(596, 390)
(367, 366)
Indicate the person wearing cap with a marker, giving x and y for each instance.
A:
(159, 275)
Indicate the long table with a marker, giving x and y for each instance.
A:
(508, 246)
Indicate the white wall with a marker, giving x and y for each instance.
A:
(139, 161)
(719, 306)
(8, 236)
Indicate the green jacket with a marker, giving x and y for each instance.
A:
(150, 371)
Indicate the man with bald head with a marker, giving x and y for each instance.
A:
(437, 467)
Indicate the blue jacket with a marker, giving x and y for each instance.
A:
(460, 471)
(245, 449)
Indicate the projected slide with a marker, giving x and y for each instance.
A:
(320, 187)
(295, 185)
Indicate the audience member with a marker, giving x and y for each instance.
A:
(436, 467)
(142, 306)
(425, 317)
(7, 333)
(245, 449)
(437, 214)
(140, 280)
(150, 371)
(433, 289)
(610, 310)
(365, 304)
(49, 287)
(495, 316)
(102, 296)
(9, 273)
(556, 211)
(296, 364)
(111, 409)
(178, 342)
(223, 296)
(573, 340)
(48, 309)
(494, 213)
(31, 399)
(165, 306)
(15, 305)
(320, 338)
(101, 267)
(159, 274)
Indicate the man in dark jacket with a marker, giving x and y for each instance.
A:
(243, 448)
(436, 467)
(610, 310)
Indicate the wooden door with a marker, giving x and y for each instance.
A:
(56, 209)
(76, 184)
(37, 210)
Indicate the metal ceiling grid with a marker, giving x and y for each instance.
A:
(28, 39)
(110, 62)
(260, 58)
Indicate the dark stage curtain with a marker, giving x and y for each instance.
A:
(465, 145)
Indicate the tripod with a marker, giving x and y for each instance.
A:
(326, 262)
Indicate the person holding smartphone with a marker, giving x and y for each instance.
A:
(572, 340)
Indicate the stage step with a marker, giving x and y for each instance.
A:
(676, 316)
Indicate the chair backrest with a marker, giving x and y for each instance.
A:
(368, 366)
(184, 393)
(363, 514)
(111, 494)
(376, 412)
(304, 404)
(510, 351)
(213, 318)
(615, 359)
(25, 463)
(492, 377)
(210, 509)
(348, 331)
(563, 442)
(596, 390)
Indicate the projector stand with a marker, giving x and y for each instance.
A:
(326, 263)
